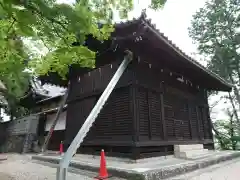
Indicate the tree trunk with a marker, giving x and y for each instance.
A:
(231, 130)
(234, 112)
(234, 107)
(235, 91)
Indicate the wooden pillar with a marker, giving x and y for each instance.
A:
(208, 116)
(190, 119)
(198, 124)
(134, 111)
(163, 113)
(135, 154)
(149, 116)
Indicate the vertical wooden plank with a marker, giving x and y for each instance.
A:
(204, 120)
(149, 114)
(190, 119)
(134, 111)
(198, 123)
(208, 116)
(163, 117)
(207, 125)
(143, 114)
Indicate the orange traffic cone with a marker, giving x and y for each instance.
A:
(61, 148)
(103, 174)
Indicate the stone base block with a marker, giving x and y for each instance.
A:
(194, 154)
(189, 151)
(182, 148)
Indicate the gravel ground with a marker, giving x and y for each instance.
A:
(21, 167)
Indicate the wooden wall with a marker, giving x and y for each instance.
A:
(94, 82)
(148, 112)
(169, 109)
(114, 125)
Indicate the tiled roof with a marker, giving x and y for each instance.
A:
(47, 90)
(152, 27)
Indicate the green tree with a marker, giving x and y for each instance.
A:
(225, 132)
(55, 26)
(215, 30)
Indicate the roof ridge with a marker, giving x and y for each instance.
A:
(147, 21)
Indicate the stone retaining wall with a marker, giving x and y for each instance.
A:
(19, 135)
(14, 144)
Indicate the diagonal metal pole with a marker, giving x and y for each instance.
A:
(60, 108)
(65, 161)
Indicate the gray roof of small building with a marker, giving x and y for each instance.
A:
(48, 90)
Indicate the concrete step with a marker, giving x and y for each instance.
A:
(200, 157)
(191, 154)
(182, 148)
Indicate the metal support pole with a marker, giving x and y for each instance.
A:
(60, 108)
(65, 161)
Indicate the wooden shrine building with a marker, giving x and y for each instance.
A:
(161, 99)
(43, 99)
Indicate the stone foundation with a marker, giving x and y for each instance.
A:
(149, 169)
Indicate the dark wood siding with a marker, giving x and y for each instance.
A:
(154, 101)
(95, 81)
(114, 123)
(147, 113)
(77, 113)
(194, 117)
(142, 106)
(185, 118)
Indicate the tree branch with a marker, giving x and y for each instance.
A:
(55, 30)
(215, 104)
(11, 26)
(35, 10)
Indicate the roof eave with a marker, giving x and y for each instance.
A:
(182, 54)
